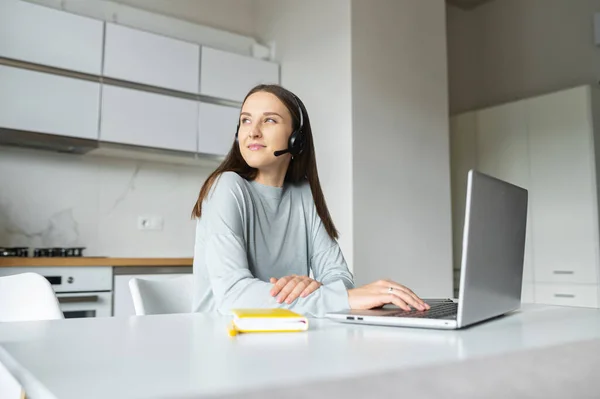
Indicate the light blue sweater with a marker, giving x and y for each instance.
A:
(250, 232)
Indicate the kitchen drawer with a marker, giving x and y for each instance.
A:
(567, 294)
(575, 272)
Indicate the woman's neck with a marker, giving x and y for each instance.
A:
(273, 178)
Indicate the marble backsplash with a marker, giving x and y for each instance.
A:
(62, 200)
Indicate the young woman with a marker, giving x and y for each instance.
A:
(263, 224)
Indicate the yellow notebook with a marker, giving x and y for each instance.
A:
(267, 320)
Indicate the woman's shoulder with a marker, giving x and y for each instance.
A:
(228, 184)
(304, 191)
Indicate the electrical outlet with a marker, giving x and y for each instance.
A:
(150, 222)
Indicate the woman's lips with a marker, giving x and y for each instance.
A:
(255, 147)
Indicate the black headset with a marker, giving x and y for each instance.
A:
(296, 140)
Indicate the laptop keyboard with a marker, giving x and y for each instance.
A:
(437, 311)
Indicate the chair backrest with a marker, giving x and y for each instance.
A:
(9, 386)
(171, 295)
(27, 296)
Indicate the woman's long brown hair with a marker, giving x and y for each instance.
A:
(302, 167)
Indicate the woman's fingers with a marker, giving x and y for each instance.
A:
(312, 287)
(408, 299)
(280, 284)
(413, 299)
(288, 288)
(398, 302)
(300, 287)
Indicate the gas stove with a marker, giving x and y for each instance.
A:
(57, 252)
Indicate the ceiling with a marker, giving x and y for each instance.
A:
(466, 4)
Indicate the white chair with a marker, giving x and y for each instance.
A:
(173, 295)
(26, 297)
(9, 386)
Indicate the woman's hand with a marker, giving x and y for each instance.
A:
(383, 292)
(291, 287)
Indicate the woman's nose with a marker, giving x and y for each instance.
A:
(255, 131)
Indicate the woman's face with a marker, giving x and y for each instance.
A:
(265, 127)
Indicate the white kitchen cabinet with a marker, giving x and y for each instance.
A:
(217, 126)
(550, 145)
(565, 217)
(148, 119)
(42, 35)
(230, 76)
(44, 103)
(148, 58)
(122, 302)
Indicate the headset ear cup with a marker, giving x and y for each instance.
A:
(296, 142)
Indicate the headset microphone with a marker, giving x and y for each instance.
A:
(281, 152)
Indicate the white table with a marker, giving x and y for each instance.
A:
(191, 355)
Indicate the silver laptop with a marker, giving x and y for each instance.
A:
(491, 276)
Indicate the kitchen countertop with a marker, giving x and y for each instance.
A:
(93, 261)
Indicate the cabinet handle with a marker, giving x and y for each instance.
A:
(564, 272)
(564, 295)
(78, 299)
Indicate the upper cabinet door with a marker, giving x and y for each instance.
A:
(45, 103)
(33, 33)
(148, 119)
(151, 59)
(217, 126)
(231, 76)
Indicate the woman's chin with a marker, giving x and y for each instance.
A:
(258, 160)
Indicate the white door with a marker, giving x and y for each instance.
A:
(45, 103)
(565, 223)
(148, 58)
(217, 127)
(123, 304)
(42, 35)
(230, 76)
(148, 119)
(502, 152)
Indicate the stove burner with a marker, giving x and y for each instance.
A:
(21, 252)
(58, 252)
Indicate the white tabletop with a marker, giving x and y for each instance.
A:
(188, 355)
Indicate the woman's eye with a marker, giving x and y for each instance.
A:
(245, 120)
(270, 120)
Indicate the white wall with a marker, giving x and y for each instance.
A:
(49, 199)
(313, 45)
(401, 185)
(512, 49)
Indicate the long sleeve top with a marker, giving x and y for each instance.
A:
(250, 232)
